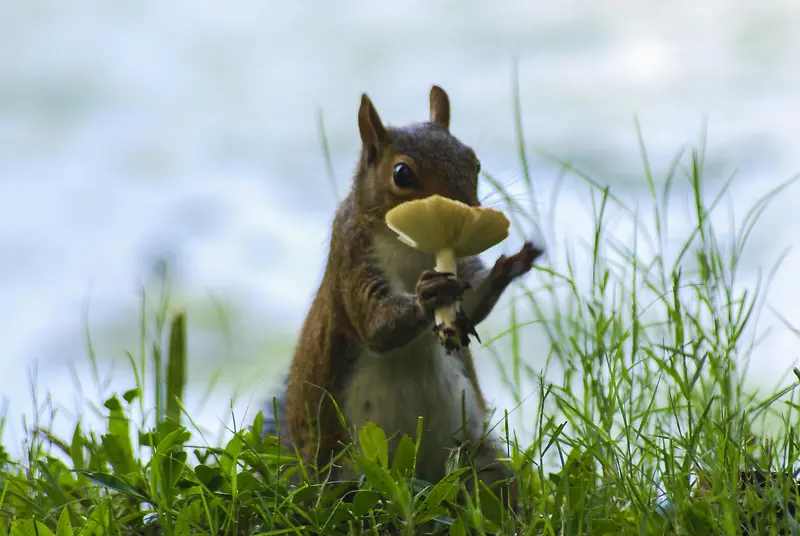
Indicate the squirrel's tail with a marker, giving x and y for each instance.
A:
(272, 418)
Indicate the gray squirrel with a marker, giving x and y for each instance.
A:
(368, 341)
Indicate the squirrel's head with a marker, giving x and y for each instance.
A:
(399, 164)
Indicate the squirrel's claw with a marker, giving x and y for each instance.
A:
(466, 327)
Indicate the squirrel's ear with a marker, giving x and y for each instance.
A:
(440, 108)
(373, 133)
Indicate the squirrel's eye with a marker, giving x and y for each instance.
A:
(403, 176)
(477, 166)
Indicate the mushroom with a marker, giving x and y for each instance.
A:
(451, 230)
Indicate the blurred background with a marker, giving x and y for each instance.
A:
(135, 133)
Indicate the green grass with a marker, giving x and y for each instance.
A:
(642, 419)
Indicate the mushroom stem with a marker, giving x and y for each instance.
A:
(446, 261)
(446, 316)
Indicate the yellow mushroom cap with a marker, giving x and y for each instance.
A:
(435, 223)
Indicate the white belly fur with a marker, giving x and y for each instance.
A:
(393, 390)
(420, 379)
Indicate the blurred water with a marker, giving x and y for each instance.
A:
(139, 130)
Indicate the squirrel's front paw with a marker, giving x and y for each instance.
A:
(439, 289)
(506, 269)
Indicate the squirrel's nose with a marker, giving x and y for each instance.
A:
(468, 198)
(473, 201)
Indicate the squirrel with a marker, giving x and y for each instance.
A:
(367, 347)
